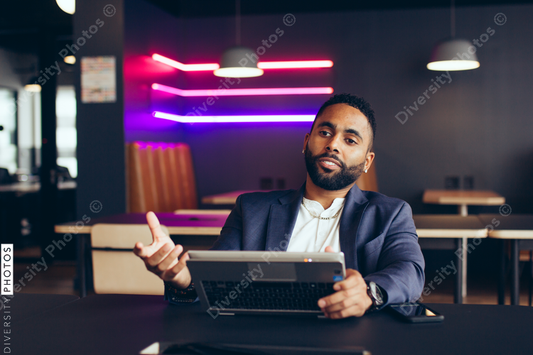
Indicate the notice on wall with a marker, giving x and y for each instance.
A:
(98, 79)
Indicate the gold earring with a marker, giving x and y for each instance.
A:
(303, 151)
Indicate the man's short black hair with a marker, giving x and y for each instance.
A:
(356, 102)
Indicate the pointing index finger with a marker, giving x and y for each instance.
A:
(154, 225)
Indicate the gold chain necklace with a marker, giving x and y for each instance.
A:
(323, 218)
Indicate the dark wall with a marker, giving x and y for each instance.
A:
(149, 30)
(101, 163)
(478, 124)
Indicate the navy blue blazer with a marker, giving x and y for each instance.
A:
(377, 235)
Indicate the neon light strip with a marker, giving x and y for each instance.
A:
(227, 119)
(185, 67)
(243, 92)
(301, 64)
(296, 64)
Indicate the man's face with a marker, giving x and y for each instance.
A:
(336, 150)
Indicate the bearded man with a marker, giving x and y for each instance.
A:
(329, 213)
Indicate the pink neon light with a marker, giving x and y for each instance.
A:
(300, 64)
(228, 119)
(243, 92)
(169, 89)
(185, 67)
(296, 64)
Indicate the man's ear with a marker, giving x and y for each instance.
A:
(369, 160)
(306, 139)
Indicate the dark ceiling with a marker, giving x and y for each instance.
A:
(22, 23)
(207, 8)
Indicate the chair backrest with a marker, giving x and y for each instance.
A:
(160, 177)
(368, 181)
(183, 155)
(115, 268)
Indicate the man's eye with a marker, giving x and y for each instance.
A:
(324, 133)
(351, 141)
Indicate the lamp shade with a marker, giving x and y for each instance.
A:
(68, 6)
(70, 59)
(453, 55)
(239, 62)
(32, 85)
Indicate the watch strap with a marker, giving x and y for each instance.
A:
(377, 295)
(179, 296)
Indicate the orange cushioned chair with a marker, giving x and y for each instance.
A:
(160, 177)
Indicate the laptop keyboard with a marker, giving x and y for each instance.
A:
(296, 296)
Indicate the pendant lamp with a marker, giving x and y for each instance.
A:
(32, 85)
(453, 54)
(238, 61)
(69, 6)
(70, 59)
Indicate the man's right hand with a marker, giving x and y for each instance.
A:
(161, 257)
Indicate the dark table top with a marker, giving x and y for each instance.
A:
(427, 225)
(167, 219)
(511, 222)
(449, 226)
(512, 226)
(125, 324)
(447, 222)
(26, 305)
(203, 224)
(25, 187)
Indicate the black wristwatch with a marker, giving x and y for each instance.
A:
(179, 296)
(376, 295)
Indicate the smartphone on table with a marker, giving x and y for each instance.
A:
(416, 313)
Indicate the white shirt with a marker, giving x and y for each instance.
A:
(312, 234)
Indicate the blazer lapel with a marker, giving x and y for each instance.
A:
(354, 207)
(282, 219)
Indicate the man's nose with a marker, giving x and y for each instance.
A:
(333, 145)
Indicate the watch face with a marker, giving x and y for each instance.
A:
(376, 294)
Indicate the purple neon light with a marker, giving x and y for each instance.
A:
(227, 119)
(244, 92)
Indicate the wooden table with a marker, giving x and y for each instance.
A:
(463, 198)
(184, 227)
(177, 223)
(518, 230)
(446, 232)
(228, 198)
(187, 226)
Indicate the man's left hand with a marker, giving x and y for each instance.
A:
(351, 298)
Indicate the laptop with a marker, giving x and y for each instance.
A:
(264, 282)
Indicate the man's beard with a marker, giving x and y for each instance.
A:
(328, 180)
